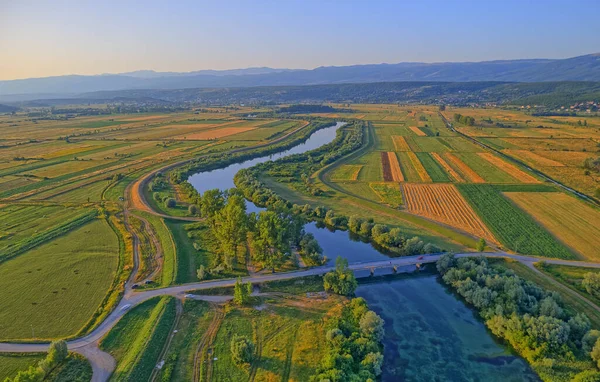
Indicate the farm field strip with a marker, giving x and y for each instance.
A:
(509, 168)
(454, 174)
(385, 166)
(346, 172)
(435, 171)
(512, 226)
(467, 172)
(569, 219)
(534, 158)
(417, 131)
(443, 203)
(395, 167)
(400, 143)
(419, 167)
(389, 193)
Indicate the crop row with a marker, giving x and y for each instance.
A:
(512, 226)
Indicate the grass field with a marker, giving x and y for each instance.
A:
(137, 340)
(11, 364)
(513, 227)
(54, 289)
(434, 170)
(567, 218)
(389, 193)
(346, 172)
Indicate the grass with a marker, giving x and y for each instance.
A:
(435, 171)
(485, 169)
(54, 289)
(571, 277)
(11, 364)
(346, 172)
(168, 274)
(75, 368)
(288, 334)
(512, 226)
(179, 365)
(137, 339)
(296, 286)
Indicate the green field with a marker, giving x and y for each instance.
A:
(11, 364)
(137, 340)
(513, 227)
(54, 289)
(435, 171)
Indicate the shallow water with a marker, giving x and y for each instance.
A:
(430, 335)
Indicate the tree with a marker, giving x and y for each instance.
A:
(481, 244)
(212, 201)
(371, 326)
(230, 227)
(242, 350)
(587, 376)
(372, 363)
(354, 223)
(595, 353)
(442, 107)
(201, 272)
(241, 295)
(57, 352)
(341, 280)
(591, 283)
(270, 240)
(193, 210)
(171, 203)
(589, 340)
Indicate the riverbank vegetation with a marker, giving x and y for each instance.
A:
(531, 319)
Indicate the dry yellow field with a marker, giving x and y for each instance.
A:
(443, 203)
(535, 159)
(218, 133)
(457, 177)
(400, 143)
(466, 171)
(395, 167)
(509, 168)
(570, 220)
(417, 131)
(419, 167)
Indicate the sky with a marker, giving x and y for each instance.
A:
(58, 37)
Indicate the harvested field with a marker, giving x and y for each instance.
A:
(400, 143)
(457, 177)
(395, 167)
(443, 203)
(567, 218)
(389, 193)
(218, 133)
(391, 167)
(509, 168)
(466, 171)
(419, 167)
(534, 158)
(417, 131)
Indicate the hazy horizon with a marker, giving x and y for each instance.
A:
(91, 38)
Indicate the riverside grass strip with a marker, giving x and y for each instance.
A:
(512, 226)
(509, 168)
(423, 174)
(443, 203)
(454, 174)
(465, 170)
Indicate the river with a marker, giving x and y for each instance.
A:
(430, 335)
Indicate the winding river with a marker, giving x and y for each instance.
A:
(430, 334)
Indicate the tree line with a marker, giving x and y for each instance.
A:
(464, 119)
(558, 343)
(57, 354)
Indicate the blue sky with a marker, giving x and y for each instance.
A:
(42, 38)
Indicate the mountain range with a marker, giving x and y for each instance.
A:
(581, 68)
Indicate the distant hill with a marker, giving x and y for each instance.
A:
(582, 68)
(549, 94)
(7, 109)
